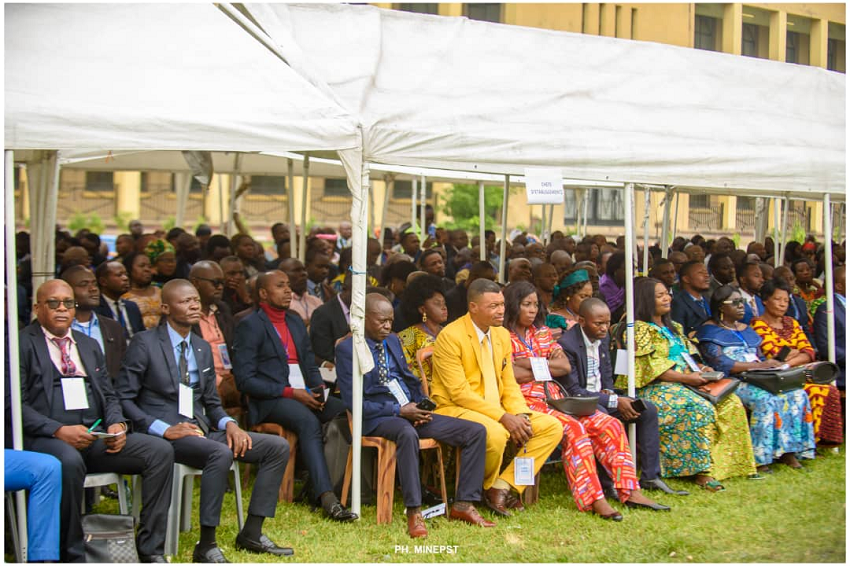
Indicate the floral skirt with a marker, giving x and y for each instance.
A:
(697, 437)
(779, 424)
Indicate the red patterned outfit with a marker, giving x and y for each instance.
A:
(586, 439)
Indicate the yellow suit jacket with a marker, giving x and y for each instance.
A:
(457, 380)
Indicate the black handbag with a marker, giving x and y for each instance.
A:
(776, 381)
(821, 373)
(574, 406)
(109, 538)
(716, 390)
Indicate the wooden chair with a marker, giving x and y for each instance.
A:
(386, 472)
(287, 485)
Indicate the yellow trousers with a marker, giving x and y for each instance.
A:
(546, 431)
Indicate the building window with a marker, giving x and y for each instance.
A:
(792, 43)
(604, 207)
(336, 188)
(404, 190)
(750, 40)
(700, 201)
(420, 8)
(99, 181)
(483, 12)
(705, 33)
(274, 185)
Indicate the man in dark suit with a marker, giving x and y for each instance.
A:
(66, 393)
(274, 365)
(390, 397)
(587, 345)
(689, 308)
(114, 282)
(330, 322)
(167, 388)
(839, 279)
(750, 280)
(107, 332)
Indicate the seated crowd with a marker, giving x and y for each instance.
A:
(181, 344)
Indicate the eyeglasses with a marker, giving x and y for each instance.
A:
(214, 282)
(53, 304)
(735, 302)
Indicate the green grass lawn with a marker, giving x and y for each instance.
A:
(791, 516)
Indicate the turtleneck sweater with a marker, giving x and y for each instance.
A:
(278, 320)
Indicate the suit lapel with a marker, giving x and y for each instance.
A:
(273, 335)
(476, 344)
(168, 353)
(582, 357)
(45, 364)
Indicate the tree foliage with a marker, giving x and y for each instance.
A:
(461, 203)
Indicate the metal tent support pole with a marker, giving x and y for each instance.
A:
(10, 283)
(234, 184)
(290, 204)
(423, 200)
(482, 248)
(776, 208)
(584, 216)
(578, 196)
(414, 192)
(389, 186)
(647, 200)
(549, 223)
(785, 206)
(503, 245)
(305, 185)
(828, 283)
(676, 217)
(630, 302)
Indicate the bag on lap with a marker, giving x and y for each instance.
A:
(109, 538)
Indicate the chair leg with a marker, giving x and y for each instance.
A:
(532, 492)
(186, 504)
(122, 496)
(386, 482)
(137, 497)
(172, 529)
(346, 479)
(237, 491)
(442, 472)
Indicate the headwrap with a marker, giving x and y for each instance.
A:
(156, 248)
(809, 246)
(577, 276)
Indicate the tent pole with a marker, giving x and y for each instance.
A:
(389, 186)
(371, 225)
(577, 195)
(414, 197)
(221, 217)
(584, 216)
(665, 223)
(182, 182)
(827, 278)
(305, 185)
(503, 245)
(234, 184)
(785, 206)
(423, 198)
(290, 204)
(646, 204)
(10, 282)
(43, 179)
(675, 217)
(482, 248)
(551, 219)
(630, 302)
(776, 208)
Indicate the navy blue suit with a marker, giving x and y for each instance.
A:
(133, 313)
(261, 370)
(687, 311)
(821, 338)
(575, 383)
(381, 418)
(748, 310)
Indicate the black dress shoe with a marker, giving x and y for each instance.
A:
(615, 516)
(212, 555)
(659, 485)
(264, 545)
(153, 559)
(653, 506)
(339, 513)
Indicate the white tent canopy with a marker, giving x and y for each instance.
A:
(459, 94)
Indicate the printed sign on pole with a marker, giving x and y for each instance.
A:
(544, 185)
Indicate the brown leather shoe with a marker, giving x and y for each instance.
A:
(495, 500)
(469, 515)
(513, 501)
(416, 526)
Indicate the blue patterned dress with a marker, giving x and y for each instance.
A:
(779, 424)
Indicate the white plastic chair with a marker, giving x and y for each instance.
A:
(98, 480)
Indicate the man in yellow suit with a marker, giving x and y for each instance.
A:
(473, 379)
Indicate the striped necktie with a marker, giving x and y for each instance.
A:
(68, 365)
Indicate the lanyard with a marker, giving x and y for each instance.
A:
(86, 329)
(526, 344)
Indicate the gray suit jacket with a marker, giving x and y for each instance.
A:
(148, 383)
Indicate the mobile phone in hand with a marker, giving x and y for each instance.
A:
(638, 405)
(426, 405)
(783, 353)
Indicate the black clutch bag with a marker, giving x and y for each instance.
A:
(716, 390)
(573, 406)
(776, 381)
(821, 373)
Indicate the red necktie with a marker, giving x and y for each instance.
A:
(68, 366)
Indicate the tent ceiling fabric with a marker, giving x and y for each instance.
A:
(446, 92)
(155, 76)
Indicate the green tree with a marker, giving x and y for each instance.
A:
(461, 202)
(92, 222)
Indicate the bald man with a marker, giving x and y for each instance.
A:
(167, 387)
(67, 394)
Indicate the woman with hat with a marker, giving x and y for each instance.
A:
(163, 261)
(567, 296)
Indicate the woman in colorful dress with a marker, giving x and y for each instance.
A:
(163, 261)
(780, 425)
(147, 296)
(697, 438)
(586, 439)
(567, 296)
(778, 331)
(423, 301)
(806, 286)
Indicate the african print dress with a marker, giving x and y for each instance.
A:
(149, 305)
(413, 339)
(779, 424)
(695, 436)
(586, 439)
(825, 399)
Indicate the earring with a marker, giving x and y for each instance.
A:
(424, 317)
(721, 316)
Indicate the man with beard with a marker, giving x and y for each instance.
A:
(114, 282)
(689, 307)
(303, 303)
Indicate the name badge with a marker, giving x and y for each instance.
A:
(398, 392)
(621, 363)
(690, 361)
(186, 401)
(523, 471)
(74, 393)
(540, 369)
(225, 357)
(296, 378)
